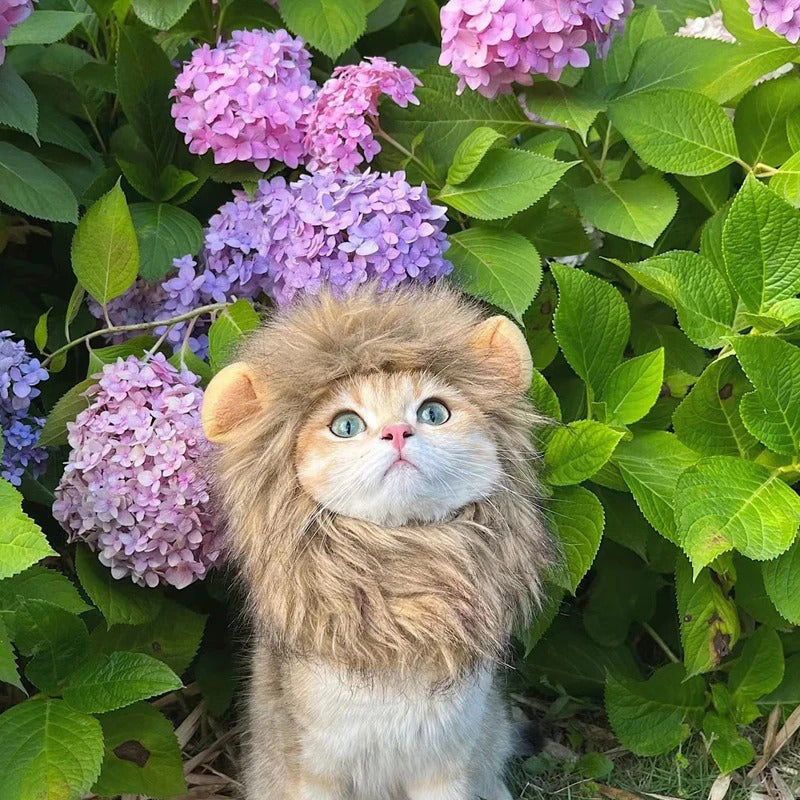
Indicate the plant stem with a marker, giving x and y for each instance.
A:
(606, 144)
(597, 173)
(95, 130)
(431, 176)
(139, 326)
(661, 643)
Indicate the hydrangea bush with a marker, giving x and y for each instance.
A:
(620, 179)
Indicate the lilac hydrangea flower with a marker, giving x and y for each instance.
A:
(19, 378)
(12, 12)
(133, 489)
(779, 16)
(491, 44)
(247, 99)
(340, 126)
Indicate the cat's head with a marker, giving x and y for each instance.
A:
(407, 425)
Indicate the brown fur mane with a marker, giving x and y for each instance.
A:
(441, 596)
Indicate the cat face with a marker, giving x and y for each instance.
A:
(396, 448)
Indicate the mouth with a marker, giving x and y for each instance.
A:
(400, 463)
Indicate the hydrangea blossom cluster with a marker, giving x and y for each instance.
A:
(779, 16)
(247, 99)
(19, 378)
(491, 44)
(12, 12)
(339, 129)
(133, 489)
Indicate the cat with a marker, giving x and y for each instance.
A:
(374, 471)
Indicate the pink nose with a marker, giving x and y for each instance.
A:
(397, 433)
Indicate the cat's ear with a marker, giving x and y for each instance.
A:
(234, 396)
(501, 339)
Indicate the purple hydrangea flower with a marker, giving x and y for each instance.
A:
(247, 99)
(19, 378)
(12, 12)
(133, 489)
(491, 44)
(340, 126)
(779, 16)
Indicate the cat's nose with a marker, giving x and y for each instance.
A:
(397, 434)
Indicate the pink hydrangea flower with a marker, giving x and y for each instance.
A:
(492, 44)
(247, 99)
(340, 126)
(132, 488)
(779, 16)
(12, 12)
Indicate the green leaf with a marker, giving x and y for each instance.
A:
(637, 209)
(39, 583)
(730, 750)
(760, 121)
(45, 27)
(650, 466)
(711, 190)
(576, 451)
(788, 693)
(105, 253)
(48, 750)
(594, 766)
(649, 717)
(329, 25)
(772, 412)
(142, 755)
(227, 329)
(55, 640)
(40, 331)
(675, 130)
(708, 419)
(157, 186)
(108, 355)
(576, 518)
(470, 152)
(29, 186)
(780, 581)
(108, 682)
(725, 503)
(544, 399)
(761, 242)
(551, 604)
(120, 601)
(786, 181)
(570, 107)
(68, 406)
(502, 267)
(759, 669)
(160, 14)
(708, 617)
(591, 323)
(8, 664)
(751, 594)
(18, 106)
(164, 232)
(505, 182)
(215, 671)
(22, 542)
(633, 387)
(172, 637)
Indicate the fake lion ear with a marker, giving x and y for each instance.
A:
(234, 396)
(505, 343)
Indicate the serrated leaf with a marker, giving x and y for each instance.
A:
(505, 182)
(591, 323)
(29, 186)
(142, 755)
(39, 583)
(329, 25)
(650, 717)
(724, 503)
(18, 106)
(751, 594)
(780, 581)
(576, 451)
(761, 243)
(111, 681)
(711, 190)
(8, 663)
(544, 399)
(120, 601)
(786, 181)
(637, 209)
(552, 597)
(45, 27)
(48, 750)
(160, 14)
(108, 355)
(227, 329)
(57, 128)
(40, 331)
(570, 107)
(650, 466)
(708, 618)
(729, 749)
(708, 419)
(470, 152)
(105, 253)
(68, 406)
(502, 267)
(675, 130)
(22, 542)
(576, 518)
(772, 412)
(759, 669)
(633, 387)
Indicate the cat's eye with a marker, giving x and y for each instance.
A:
(433, 412)
(347, 425)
